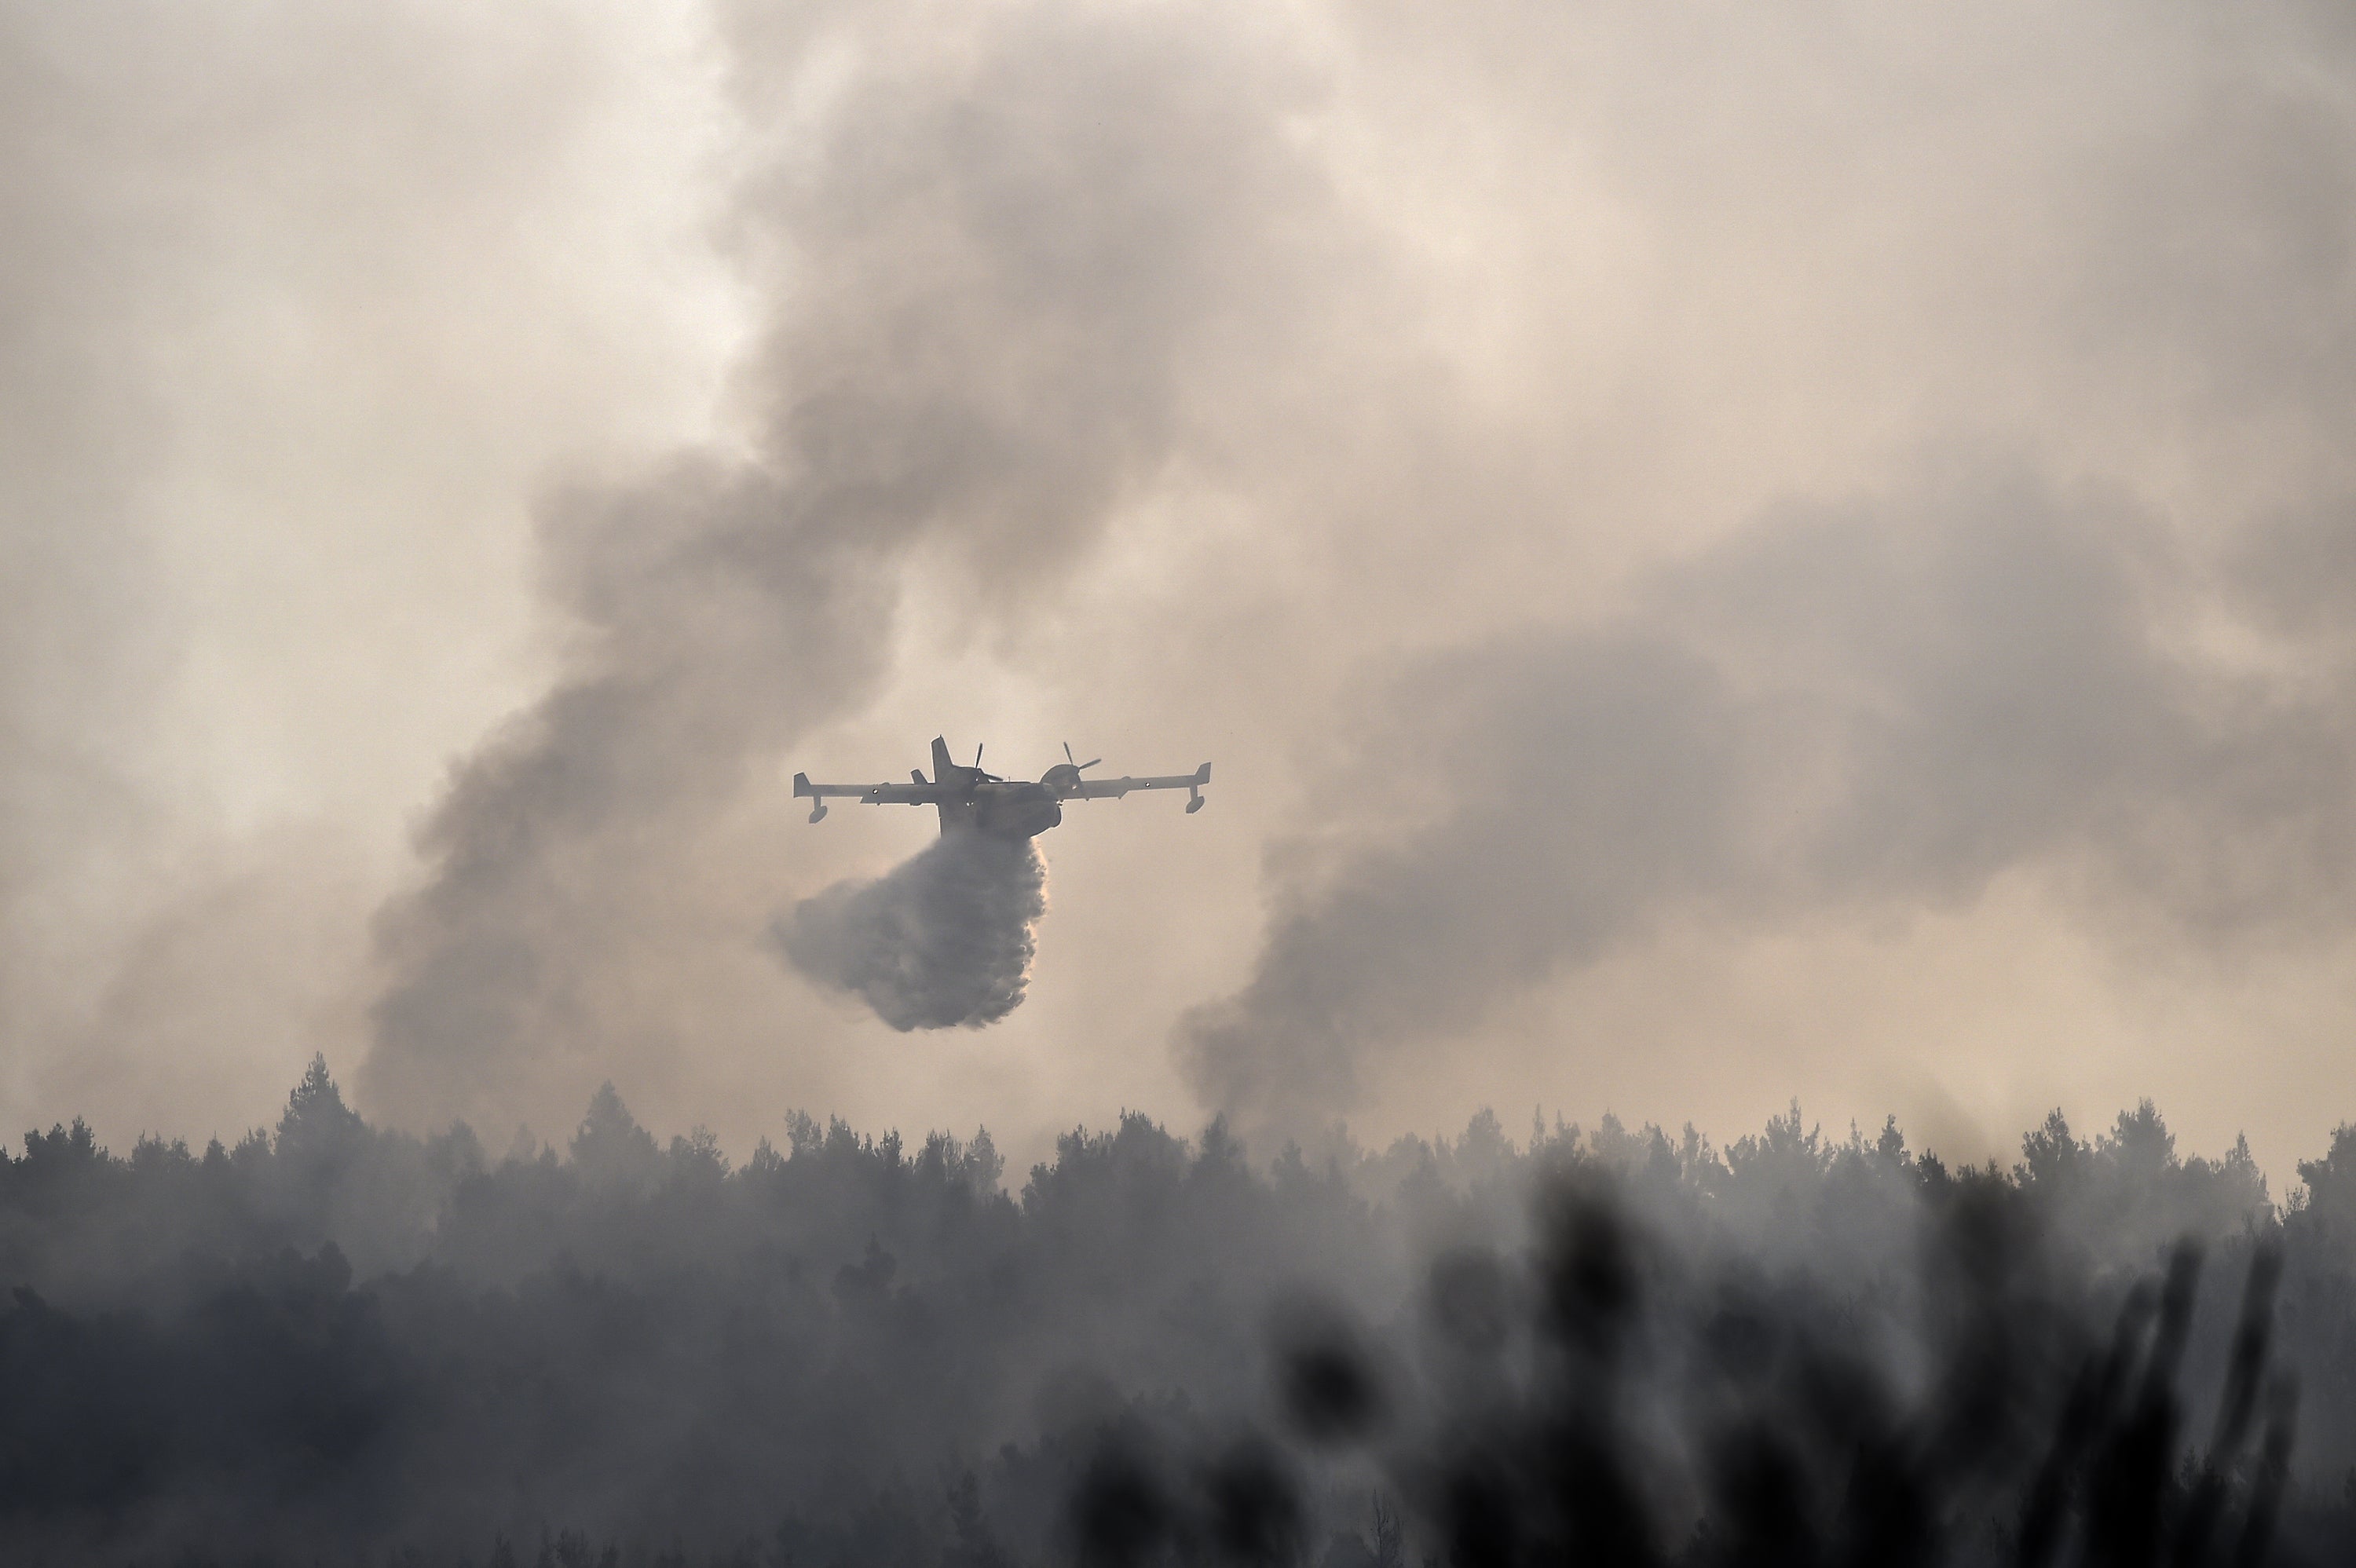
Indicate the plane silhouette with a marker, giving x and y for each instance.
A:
(973, 801)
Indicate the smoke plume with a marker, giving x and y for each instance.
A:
(639, 403)
(995, 264)
(941, 940)
(1878, 705)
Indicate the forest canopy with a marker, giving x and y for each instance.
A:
(338, 1339)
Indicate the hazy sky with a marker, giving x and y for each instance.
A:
(1719, 554)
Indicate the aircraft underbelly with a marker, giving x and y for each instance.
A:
(1009, 815)
(1020, 818)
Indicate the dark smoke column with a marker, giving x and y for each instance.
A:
(1021, 243)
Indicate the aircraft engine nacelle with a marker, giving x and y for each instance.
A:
(1062, 781)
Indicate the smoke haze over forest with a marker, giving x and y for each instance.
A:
(1728, 558)
(1719, 556)
(335, 1343)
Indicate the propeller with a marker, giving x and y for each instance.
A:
(1079, 767)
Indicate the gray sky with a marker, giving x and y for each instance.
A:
(1718, 554)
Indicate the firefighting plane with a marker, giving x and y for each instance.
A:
(971, 800)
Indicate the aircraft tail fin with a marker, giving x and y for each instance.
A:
(801, 784)
(943, 769)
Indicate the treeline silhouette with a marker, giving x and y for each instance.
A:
(339, 1343)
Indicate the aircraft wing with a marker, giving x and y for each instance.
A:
(877, 793)
(1113, 789)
